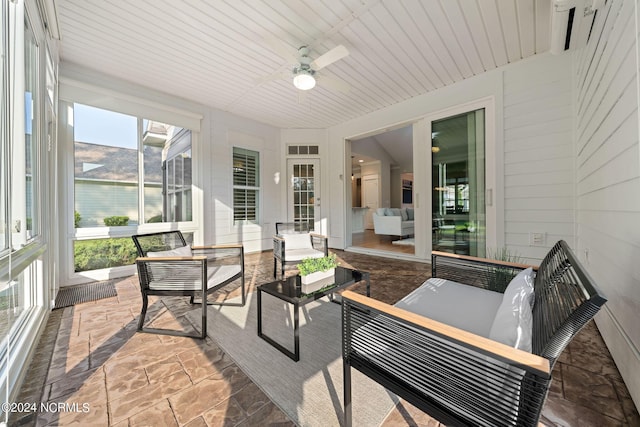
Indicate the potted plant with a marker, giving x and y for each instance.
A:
(315, 273)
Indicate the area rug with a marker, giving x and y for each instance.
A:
(310, 391)
(405, 242)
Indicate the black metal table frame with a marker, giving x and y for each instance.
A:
(298, 302)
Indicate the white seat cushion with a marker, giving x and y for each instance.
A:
(462, 306)
(219, 273)
(300, 254)
(216, 274)
(297, 241)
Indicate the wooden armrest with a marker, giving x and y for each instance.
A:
(173, 258)
(533, 362)
(276, 237)
(484, 260)
(321, 236)
(220, 246)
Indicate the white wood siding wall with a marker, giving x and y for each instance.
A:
(608, 178)
(230, 131)
(538, 150)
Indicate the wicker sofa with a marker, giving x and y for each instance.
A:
(458, 364)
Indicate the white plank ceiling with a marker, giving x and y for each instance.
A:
(215, 52)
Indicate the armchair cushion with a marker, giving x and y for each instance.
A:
(300, 254)
(465, 307)
(158, 271)
(181, 252)
(295, 241)
(513, 323)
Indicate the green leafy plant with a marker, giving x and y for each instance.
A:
(157, 218)
(499, 277)
(76, 219)
(312, 265)
(103, 253)
(114, 221)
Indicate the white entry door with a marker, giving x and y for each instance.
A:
(303, 196)
(370, 198)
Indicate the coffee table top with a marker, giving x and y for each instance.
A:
(290, 288)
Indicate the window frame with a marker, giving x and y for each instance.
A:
(239, 187)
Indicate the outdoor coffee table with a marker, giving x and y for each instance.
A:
(289, 290)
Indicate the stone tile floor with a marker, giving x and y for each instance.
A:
(90, 355)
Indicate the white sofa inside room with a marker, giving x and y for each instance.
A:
(394, 221)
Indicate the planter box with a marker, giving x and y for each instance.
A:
(318, 280)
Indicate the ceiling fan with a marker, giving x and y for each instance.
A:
(304, 72)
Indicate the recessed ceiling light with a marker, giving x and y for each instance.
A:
(361, 161)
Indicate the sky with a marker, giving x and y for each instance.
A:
(97, 126)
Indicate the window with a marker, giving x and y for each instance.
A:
(25, 186)
(177, 178)
(116, 155)
(108, 147)
(23, 167)
(246, 184)
(106, 167)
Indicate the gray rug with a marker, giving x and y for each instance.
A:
(309, 391)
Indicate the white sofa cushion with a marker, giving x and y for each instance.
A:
(410, 214)
(465, 307)
(513, 323)
(297, 241)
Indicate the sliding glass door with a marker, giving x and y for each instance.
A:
(458, 178)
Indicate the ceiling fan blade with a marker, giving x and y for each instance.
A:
(271, 77)
(282, 50)
(330, 57)
(335, 84)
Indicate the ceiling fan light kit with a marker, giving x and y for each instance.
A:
(304, 72)
(303, 79)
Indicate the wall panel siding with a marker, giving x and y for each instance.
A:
(608, 179)
(538, 160)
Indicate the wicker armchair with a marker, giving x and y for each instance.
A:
(460, 377)
(167, 266)
(293, 242)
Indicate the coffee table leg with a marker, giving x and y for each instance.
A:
(296, 332)
(259, 312)
(295, 355)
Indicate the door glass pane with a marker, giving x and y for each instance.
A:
(458, 177)
(303, 181)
